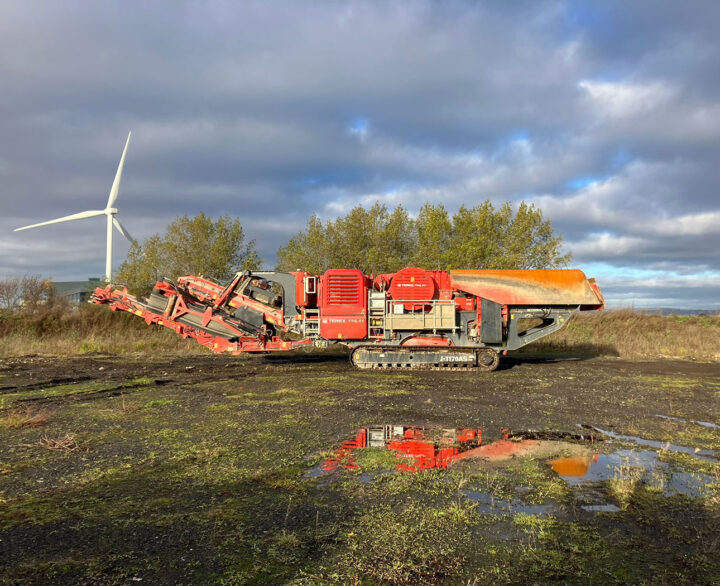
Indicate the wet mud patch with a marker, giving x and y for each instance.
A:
(657, 474)
(203, 478)
(48, 393)
(706, 424)
(667, 446)
(509, 476)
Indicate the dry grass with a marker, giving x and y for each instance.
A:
(63, 331)
(25, 418)
(631, 334)
(67, 443)
(625, 482)
(128, 406)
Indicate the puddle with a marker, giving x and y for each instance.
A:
(580, 472)
(707, 424)
(419, 448)
(693, 484)
(573, 467)
(709, 455)
(315, 471)
(607, 508)
(486, 503)
(422, 448)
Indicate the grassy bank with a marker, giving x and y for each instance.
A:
(65, 331)
(631, 334)
(62, 330)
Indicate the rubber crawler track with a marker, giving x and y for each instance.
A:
(390, 358)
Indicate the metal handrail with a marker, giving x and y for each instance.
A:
(424, 302)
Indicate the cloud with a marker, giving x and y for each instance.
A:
(664, 292)
(606, 246)
(602, 113)
(639, 215)
(625, 100)
(688, 225)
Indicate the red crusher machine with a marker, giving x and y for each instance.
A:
(413, 318)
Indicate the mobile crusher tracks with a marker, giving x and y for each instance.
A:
(413, 318)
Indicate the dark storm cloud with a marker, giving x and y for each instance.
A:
(606, 114)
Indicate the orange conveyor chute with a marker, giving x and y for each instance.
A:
(531, 287)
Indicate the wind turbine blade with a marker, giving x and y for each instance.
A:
(118, 175)
(79, 216)
(122, 229)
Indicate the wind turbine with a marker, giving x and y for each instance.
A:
(109, 211)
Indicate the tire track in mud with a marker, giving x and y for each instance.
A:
(89, 395)
(67, 380)
(112, 391)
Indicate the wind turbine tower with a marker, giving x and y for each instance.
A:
(109, 212)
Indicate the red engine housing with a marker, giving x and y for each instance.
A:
(414, 284)
(343, 304)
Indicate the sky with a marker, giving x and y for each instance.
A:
(605, 114)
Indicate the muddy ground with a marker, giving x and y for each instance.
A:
(211, 469)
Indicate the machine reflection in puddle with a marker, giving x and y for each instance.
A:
(419, 448)
(583, 471)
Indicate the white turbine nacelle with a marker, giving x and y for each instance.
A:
(109, 211)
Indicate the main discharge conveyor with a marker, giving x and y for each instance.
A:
(413, 318)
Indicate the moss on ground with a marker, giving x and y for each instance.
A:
(206, 481)
(48, 392)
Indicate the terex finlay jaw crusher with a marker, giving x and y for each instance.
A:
(412, 318)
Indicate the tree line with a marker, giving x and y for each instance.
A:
(375, 240)
(189, 246)
(379, 240)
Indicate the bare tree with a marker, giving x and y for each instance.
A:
(10, 293)
(27, 292)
